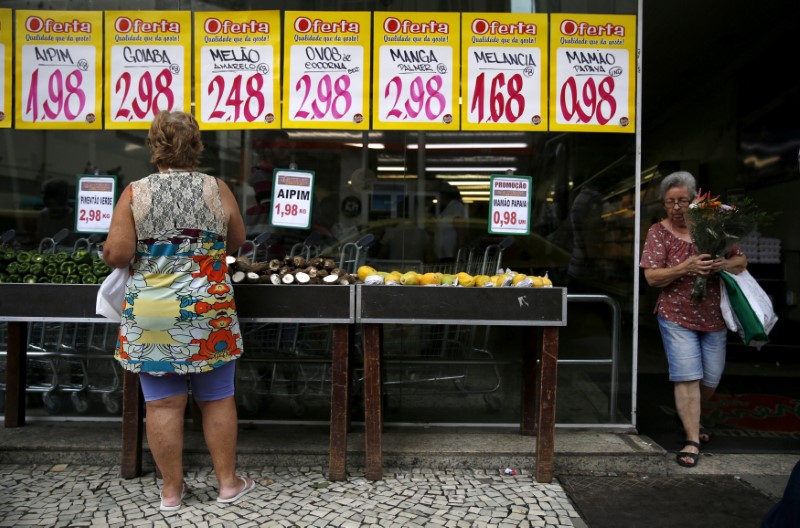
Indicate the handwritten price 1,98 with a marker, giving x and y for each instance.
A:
(288, 209)
(92, 215)
(254, 97)
(62, 95)
(145, 102)
(421, 96)
(500, 107)
(595, 101)
(507, 218)
(332, 96)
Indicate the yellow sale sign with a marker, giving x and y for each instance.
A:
(147, 65)
(237, 69)
(59, 54)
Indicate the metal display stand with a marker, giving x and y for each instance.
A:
(544, 309)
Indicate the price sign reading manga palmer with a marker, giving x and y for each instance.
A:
(593, 86)
(58, 69)
(146, 56)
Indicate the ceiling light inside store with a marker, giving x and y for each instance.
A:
(497, 170)
(470, 183)
(470, 146)
(390, 168)
(397, 176)
(462, 177)
(474, 193)
(375, 146)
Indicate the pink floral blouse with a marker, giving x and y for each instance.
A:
(662, 249)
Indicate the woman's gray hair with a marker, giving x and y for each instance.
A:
(678, 179)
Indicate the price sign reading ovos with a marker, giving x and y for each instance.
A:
(147, 65)
(6, 51)
(58, 69)
(94, 204)
(329, 63)
(593, 86)
(510, 201)
(416, 75)
(292, 196)
(504, 81)
(237, 57)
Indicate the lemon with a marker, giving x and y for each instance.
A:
(430, 278)
(481, 280)
(465, 279)
(518, 277)
(537, 282)
(364, 271)
(448, 279)
(409, 278)
(393, 277)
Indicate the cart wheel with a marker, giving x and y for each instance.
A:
(80, 401)
(111, 403)
(52, 402)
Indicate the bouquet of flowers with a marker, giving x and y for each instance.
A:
(716, 227)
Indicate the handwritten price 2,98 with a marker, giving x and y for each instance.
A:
(595, 101)
(64, 95)
(144, 101)
(331, 96)
(415, 97)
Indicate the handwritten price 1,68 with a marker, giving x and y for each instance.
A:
(288, 209)
(505, 100)
(595, 101)
(253, 98)
(332, 95)
(63, 93)
(150, 96)
(416, 97)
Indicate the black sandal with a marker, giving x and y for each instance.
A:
(679, 458)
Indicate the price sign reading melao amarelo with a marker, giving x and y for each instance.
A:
(6, 52)
(147, 65)
(504, 76)
(593, 85)
(58, 69)
(328, 59)
(292, 197)
(510, 205)
(237, 69)
(416, 71)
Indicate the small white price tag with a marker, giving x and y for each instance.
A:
(510, 208)
(292, 196)
(94, 204)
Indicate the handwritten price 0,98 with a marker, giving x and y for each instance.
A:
(331, 94)
(499, 107)
(594, 102)
(253, 88)
(57, 100)
(421, 96)
(288, 209)
(148, 94)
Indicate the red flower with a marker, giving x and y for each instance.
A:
(212, 267)
(219, 288)
(221, 322)
(219, 343)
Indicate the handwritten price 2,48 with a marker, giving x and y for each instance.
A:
(254, 93)
(594, 102)
(145, 101)
(62, 94)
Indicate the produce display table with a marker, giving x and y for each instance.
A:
(335, 305)
(544, 309)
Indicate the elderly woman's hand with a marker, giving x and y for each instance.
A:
(700, 264)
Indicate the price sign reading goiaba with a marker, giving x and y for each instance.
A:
(504, 76)
(58, 69)
(237, 69)
(328, 57)
(147, 60)
(415, 82)
(292, 196)
(510, 205)
(6, 51)
(593, 86)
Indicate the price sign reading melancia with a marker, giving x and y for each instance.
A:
(147, 59)
(94, 204)
(6, 51)
(237, 69)
(292, 196)
(504, 79)
(58, 69)
(510, 205)
(593, 86)
(328, 60)
(416, 71)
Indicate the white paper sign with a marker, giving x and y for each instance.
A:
(94, 204)
(510, 200)
(292, 196)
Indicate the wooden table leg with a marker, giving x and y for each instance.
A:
(546, 409)
(132, 426)
(340, 402)
(373, 417)
(527, 424)
(16, 373)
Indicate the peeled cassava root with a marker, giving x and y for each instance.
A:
(288, 270)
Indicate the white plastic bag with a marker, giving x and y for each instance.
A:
(111, 295)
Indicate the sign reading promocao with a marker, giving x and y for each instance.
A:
(510, 205)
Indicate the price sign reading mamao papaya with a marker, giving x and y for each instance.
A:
(58, 69)
(237, 69)
(416, 71)
(504, 76)
(328, 57)
(593, 85)
(6, 52)
(510, 205)
(147, 56)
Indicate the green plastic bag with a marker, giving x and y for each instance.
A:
(750, 327)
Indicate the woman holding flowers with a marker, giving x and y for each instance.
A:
(692, 330)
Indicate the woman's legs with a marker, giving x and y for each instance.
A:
(220, 424)
(165, 438)
(687, 403)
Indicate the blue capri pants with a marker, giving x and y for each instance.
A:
(213, 385)
(693, 355)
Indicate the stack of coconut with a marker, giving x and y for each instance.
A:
(288, 270)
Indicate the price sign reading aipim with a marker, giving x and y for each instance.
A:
(6, 51)
(147, 65)
(416, 73)
(58, 69)
(94, 204)
(237, 57)
(593, 86)
(292, 196)
(504, 77)
(328, 60)
(510, 205)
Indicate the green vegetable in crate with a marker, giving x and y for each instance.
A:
(57, 279)
(37, 268)
(12, 277)
(23, 267)
(29, 279)
(43, 280)
(10, 254)
(37, 257)
(68, 267)
(81, 256)
(84, 269)
(89, 279)
(51, 269)
(12, 268)
(61, 257)
(24, 256)
(72, 279)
